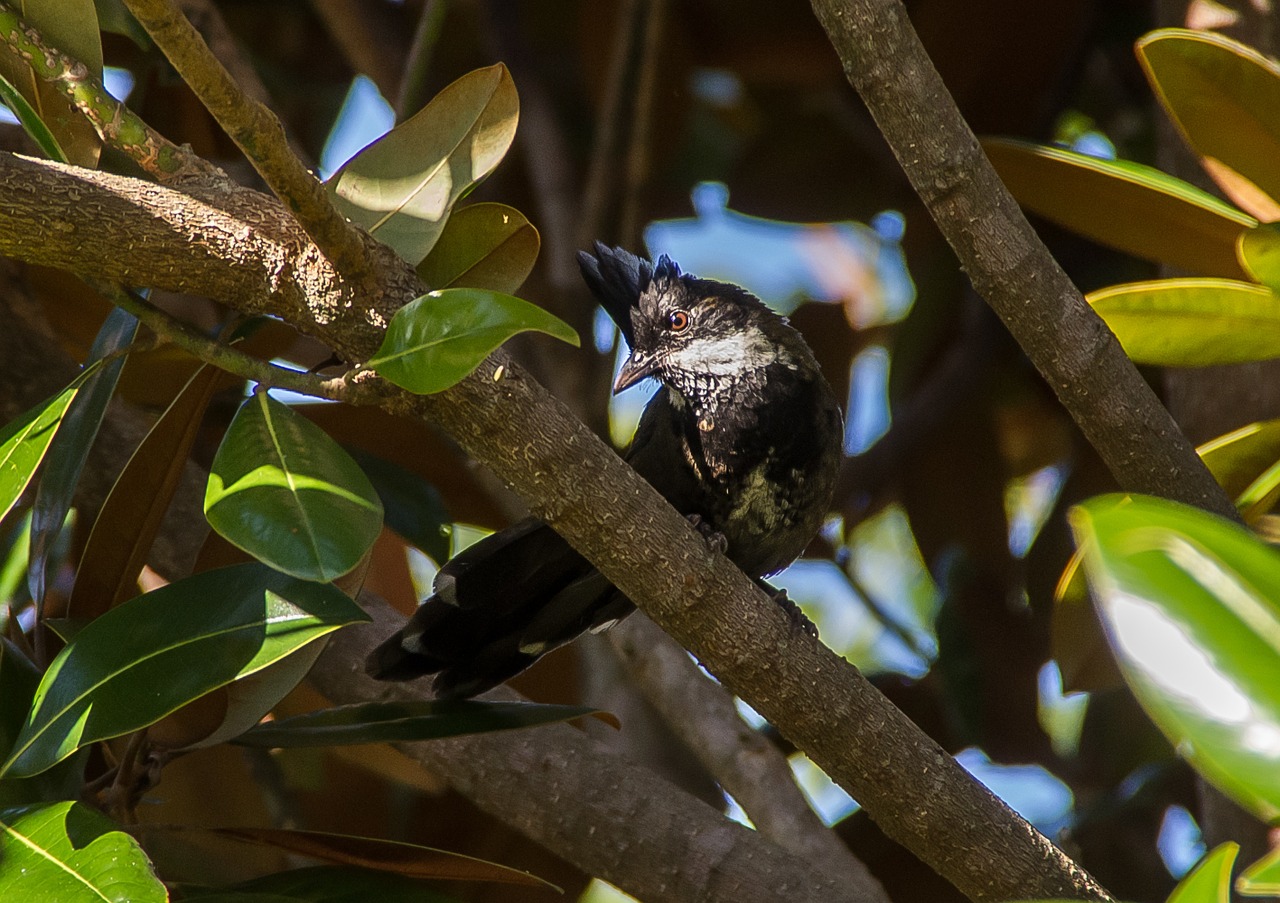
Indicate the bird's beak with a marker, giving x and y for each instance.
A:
(635, 368)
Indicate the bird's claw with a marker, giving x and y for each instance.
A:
(714, 539)
(799, 620)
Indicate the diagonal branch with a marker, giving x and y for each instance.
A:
(254, 129)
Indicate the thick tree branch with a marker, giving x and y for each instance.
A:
(1009, 266)
(916, 792)
(254, 129)
(571, 793)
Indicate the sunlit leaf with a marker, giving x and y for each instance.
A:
(1225, 99)
(436, 340)
(72, 27)
(1191, 604)
(130, 517)
(67, 853)
(1192, 322)
(283, 491)
(19, 679)
(68, 453)
(1261, 878)
(327, 884)
(1210, 880)
(410, 860)
(24, 442)
(1133, 208)
(1259, 253)
(153, 654)
(387, 722)
(490, 246)
(402, 187)
(1239, 457)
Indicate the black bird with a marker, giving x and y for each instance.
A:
(744, 438)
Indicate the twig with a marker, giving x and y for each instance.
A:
(225, 357)
(750, 768)
(116, 124)
(254, 129)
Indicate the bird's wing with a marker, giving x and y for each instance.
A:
(616, 277)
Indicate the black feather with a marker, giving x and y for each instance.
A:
(745, 434)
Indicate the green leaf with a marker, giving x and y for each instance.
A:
(489, 246)
(388, 722)
(1133, 208)
(328, 884)
(1262, 878)
(114, 17)
(157, 652)
(24, 442)
(70, 26)
(30, 121)
(1192, 322)
(1210, 880)
(1259, 253)
(436, 340)
(1225, 99)
(402, 187)
(1191, 605)
(70, 450)
(414, 508)
(67, 853)
(1239, 457)
(283, 491)
(18, 680)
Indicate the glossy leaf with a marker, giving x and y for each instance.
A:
(328, 884)
(1225, 99)
(158, 652)
(402, 187)
(1191, 604)
(438, 339)
(283, 491)
(29, 119)
(1261, 878)
(1133, 208)
(130, 517)
(18, 681)
(72, 27)
(410, 860)
(68, 453)
(414, 508)
(1210, 880)
(489, 246)
(114, 17)
(23, 444)
(388, 722)
(1259, 253)
(67, 853)
(1192, 322)
(1239, 457)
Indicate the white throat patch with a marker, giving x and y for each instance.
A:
(728, 356)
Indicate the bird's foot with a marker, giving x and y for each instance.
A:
(714, 539)
(799, 620)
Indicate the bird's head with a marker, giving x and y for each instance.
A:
(700, 337)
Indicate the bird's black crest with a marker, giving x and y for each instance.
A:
(618, 278)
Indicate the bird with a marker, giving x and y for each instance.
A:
(744, 437)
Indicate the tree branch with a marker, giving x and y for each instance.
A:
(576, 797)
(744, 762)
(254, 129)
(1008, 264)
(916, 792)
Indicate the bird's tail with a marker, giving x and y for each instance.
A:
(497, 608)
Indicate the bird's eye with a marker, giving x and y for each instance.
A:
(678, 321)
